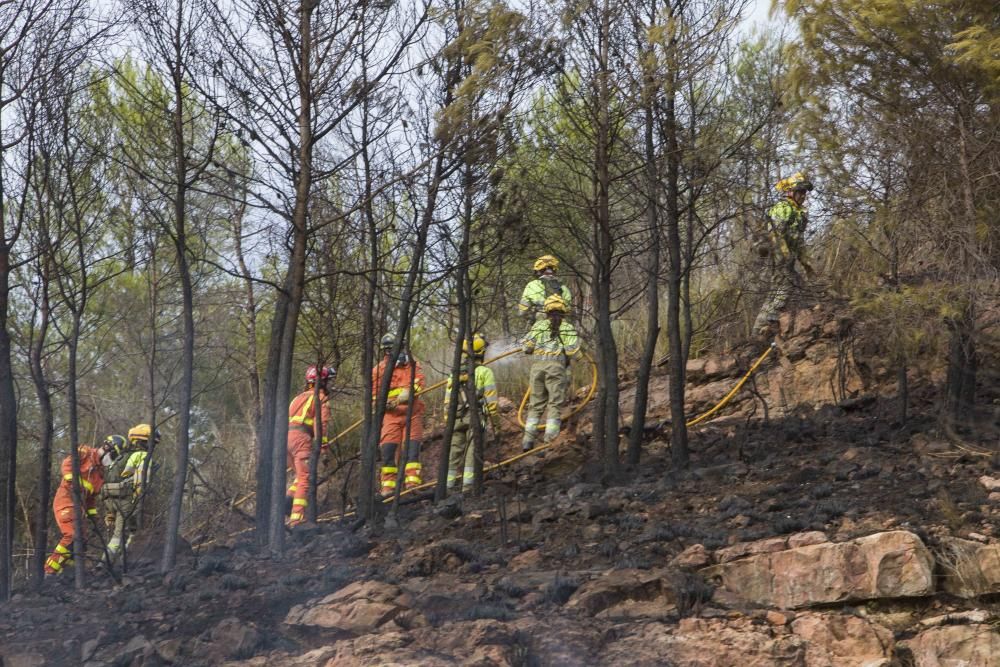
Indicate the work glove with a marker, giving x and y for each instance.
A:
(528, 347)
(404, 397)
(391, 404)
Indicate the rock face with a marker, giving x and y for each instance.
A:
(885, 565)
(813, 640)
(770, 545)
(845, 641)
(970, 569)
(620, 588)
(705, 643)
(693, 557)
(234, 638)
(958, 645)
(482, 642)
(358, 608)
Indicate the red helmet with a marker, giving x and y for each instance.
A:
(324, 374)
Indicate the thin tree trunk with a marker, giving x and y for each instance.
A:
(282, 396)
(253, 374)
(441, 488)
(652, 276)
(271, 412)
(152, 273)
(295, 283)
(317, 443)
(607, 348)
(8, 424)
(366, 502)
(45, 442)
(187, 298)
(366, 489)
(79, 544)
(963, 360)
(476, 427)
(679, 439)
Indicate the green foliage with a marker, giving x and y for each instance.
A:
(911, 320)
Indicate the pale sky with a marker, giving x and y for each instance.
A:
(758, 14)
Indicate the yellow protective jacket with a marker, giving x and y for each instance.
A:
(535, 293)
(541, 342)
(134, 468)
(486, 391)
(787, 226)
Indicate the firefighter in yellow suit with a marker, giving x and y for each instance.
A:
(545, 284)
(125, 483)
(462, 451)
(553, 342)
(785, 250)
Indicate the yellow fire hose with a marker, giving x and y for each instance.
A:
(732, 392)
(590, 395)
(331, 516)
(358, 423)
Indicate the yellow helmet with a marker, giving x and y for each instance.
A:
(555, 304)
(797, 182)
(479, 344)
(142, 432)
(546, 262)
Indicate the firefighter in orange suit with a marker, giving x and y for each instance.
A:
(301, 419)
(405, 372)
(92, 463)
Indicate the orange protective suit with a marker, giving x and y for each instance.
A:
(91, 481)
(301, 418)
(394, 423)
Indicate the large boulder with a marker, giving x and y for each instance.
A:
(955, 646)
(232, 638)
(893, 564)
(835, 640)
(319, 656)
(812, 640)
(970, 569)
(381, 648)
(770, 545)
(23, 660)
(697, 642)
(358, 608)
(811, 372)
(623, 588)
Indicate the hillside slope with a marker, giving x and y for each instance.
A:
(809, 530)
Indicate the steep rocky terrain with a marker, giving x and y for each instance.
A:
(811, 529)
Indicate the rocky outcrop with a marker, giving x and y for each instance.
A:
(964, 645)
(811, 640)
(706, 643)
(617, 592)
(884, 565)
(970, 569)
(843, 641)
(358, 608)
(770, 545)
(488, 643)
(233, 638)
(692, 558)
